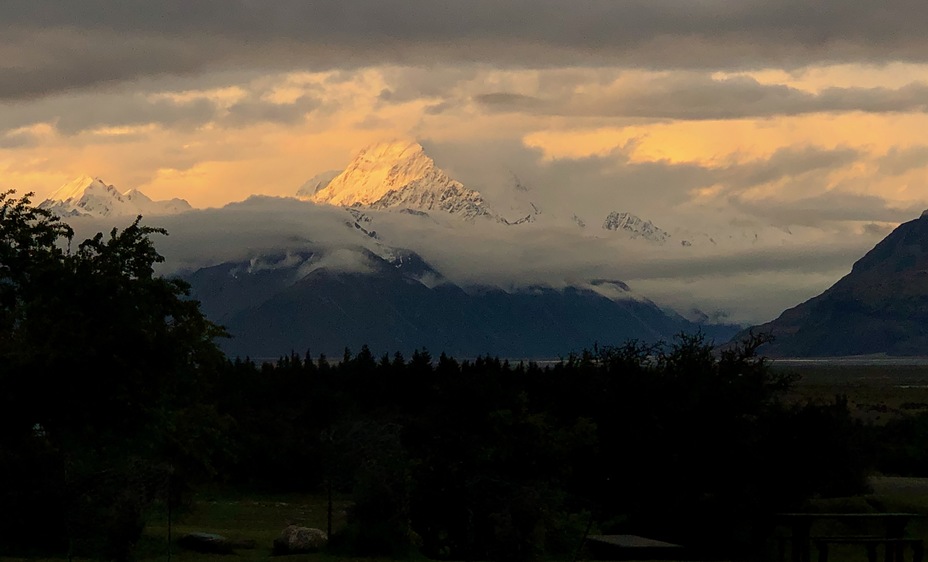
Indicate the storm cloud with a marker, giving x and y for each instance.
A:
(51, 46)
(694, 97)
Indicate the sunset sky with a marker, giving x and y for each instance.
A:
(793, 112)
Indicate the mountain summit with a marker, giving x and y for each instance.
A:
(397, 175)
(87, 196)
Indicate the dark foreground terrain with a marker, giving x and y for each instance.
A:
(877, 395)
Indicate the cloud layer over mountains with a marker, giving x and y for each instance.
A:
(723, 280)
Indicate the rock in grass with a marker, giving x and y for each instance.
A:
(296, 540)
(206, 542)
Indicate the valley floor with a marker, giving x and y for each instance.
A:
(877, 390)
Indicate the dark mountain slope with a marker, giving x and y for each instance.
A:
(281, 307)
(881, 306)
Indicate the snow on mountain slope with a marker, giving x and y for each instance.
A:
(399, 175)
(725, 235)
(146, 206)
(87, 196)
(315, 184)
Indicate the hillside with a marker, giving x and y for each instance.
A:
(881, 306)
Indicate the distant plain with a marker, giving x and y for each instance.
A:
(878, 389)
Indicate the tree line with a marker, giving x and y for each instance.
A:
(116, 400)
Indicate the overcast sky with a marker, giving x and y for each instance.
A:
(790, 114)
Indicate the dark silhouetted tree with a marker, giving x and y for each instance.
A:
(103, 366)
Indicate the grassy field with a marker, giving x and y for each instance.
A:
(241, 518)
(876, 393)
(261, 518)
(890, 495)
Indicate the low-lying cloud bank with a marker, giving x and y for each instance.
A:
(739, 280)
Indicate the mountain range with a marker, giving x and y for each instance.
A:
(87, 196)
(363, 289)
(393, 176)
(375, 285)
(294, 302)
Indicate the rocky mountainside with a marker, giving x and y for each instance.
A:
(881, 306)
(396, 175)
(92, 196)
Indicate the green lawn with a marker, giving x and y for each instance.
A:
(261, 518)
(875, 393)
(240, 518)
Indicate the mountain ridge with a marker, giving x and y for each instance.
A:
(89, 196)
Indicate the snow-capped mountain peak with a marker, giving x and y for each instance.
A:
(89, 196)
(635, 226)
(78, 187)
(397, 175)
(377, 170)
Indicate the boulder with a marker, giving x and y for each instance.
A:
(296, 540)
